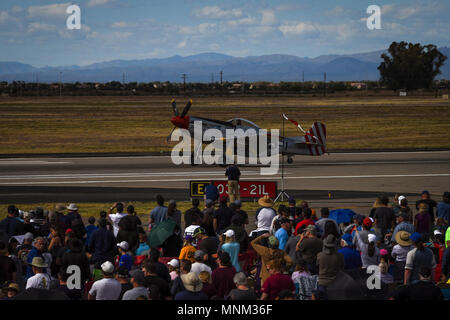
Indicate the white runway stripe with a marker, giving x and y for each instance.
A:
(248, 178)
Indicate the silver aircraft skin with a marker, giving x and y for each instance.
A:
(311, 143)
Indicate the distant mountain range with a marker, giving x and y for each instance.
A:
(205, 67)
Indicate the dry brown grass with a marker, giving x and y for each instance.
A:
(141, 124)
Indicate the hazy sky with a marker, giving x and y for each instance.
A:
(35, 32)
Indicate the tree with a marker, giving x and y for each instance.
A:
(410, 66)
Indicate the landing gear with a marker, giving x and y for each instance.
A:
(290, 160)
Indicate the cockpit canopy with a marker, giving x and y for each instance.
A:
(240, 122)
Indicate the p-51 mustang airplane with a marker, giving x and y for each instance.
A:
(312, 143)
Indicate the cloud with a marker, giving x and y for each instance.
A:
(182, 44)
(268, 18)
(95, 3)
(34, 27)
(120, 24)
(51, 10)
(4, 16)
(215, 12)
(298, 29)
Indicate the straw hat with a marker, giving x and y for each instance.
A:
(72, 207)
(402, 238)
(192, 282)
(265, 202)
(39, 262)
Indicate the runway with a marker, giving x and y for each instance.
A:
(351, 178)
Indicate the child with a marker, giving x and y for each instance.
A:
(188, 250)
(174, 269)
(143, 246)
(124, 258)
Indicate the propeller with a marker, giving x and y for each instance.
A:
(186, 109)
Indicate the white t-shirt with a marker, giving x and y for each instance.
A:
(40, 281)
(198, 267)
(265, 217)
(115, 219)
(106, 289)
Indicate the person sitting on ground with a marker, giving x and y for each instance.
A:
(193, 288)
(159, 213)
(208, 286)
(222, 276)
(124, 257)
(40, 279)
(137, 279)
(107, 288)
(276, 282)
(190, 213)
(242, 290)
(199, 265)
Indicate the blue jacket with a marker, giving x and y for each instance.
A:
(443, 211)
(352, 258)
(102, 245)
(34, 252)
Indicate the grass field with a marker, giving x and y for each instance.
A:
(141, 124)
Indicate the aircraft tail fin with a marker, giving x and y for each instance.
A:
(316, 137)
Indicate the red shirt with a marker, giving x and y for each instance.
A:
(277, 283)
(303, 223)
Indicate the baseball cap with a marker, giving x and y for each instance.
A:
(198, 231)
(174, 263)
(367, 222)
(400, 198)
(371, 237)
(229, 233)
(425, 192)
(28, 236)
(238, 203)
(107, 267)
(123, 245)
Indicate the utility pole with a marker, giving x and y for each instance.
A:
(183, 76)
(60, 83)
(324, 84)
(221, 73)
(303, 76)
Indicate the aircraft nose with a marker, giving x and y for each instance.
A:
(180, 122)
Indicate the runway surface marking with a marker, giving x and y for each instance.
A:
(30, 162)
(257, 178)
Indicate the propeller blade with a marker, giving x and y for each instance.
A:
(174, 107)
(186, 109)
(168, 137)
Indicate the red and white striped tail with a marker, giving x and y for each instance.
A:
(317, 137)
